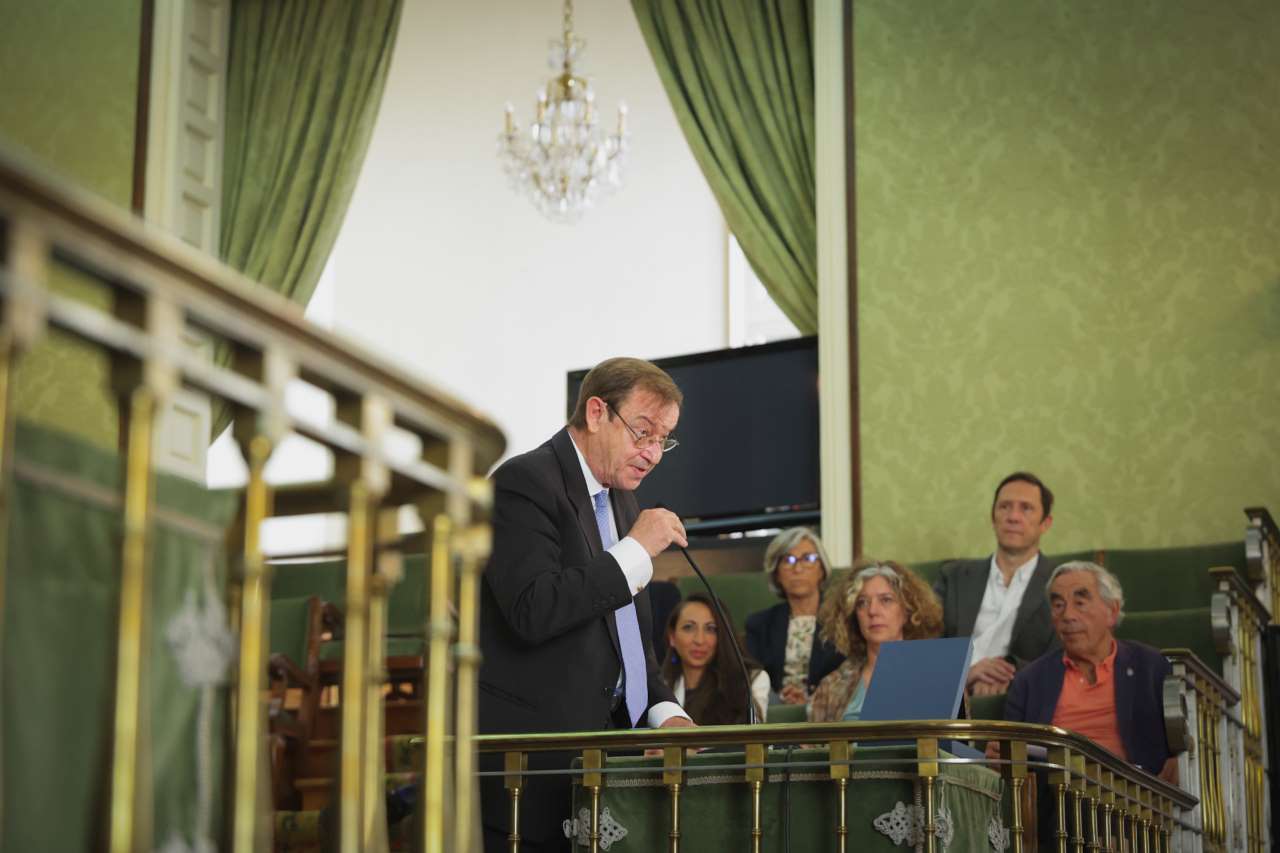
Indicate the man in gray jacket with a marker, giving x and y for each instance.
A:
(1000, 601)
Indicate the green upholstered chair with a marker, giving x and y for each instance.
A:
(1190, 628)
(742, 593)
(1171, 578)
(987, 707)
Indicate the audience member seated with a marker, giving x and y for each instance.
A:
(784, 638)
(1111, 691)
(1000, 601)
(663, 598)
(703, 672)
(874, 603)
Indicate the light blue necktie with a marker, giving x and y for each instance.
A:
(635, 680)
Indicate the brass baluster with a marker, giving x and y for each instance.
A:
(1108, 798)
(754, 755)
(1134, 816)
(1092, 782)
(388, 571)
(1014, 770)
(254, 593)
(515, 764)
(673, 778)
(1059, 780)
(436, 690)
(129, 750)
(593, 780)
(354, 673)
(1077, 801)
(927, 770)
(839, 753)
(475, 551)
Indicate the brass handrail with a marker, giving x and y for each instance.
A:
(163, 291)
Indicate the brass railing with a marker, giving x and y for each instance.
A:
(1102, 803)
(161, 292)
(1239, 620)
(1207, 703)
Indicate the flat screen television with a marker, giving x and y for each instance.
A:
(748, 431)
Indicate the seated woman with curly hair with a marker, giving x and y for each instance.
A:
(874, 603)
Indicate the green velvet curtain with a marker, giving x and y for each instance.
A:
(739, 74)
(304, 83)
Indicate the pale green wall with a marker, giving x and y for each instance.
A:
(1068, 261)
(68, 94)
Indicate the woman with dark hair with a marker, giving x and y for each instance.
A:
(703, 672)
(784, 638)
(875, 603)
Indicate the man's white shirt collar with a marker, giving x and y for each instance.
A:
(593, 485)
(1020, 574)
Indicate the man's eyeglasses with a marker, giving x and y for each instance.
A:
(804, 561)
(644, 440)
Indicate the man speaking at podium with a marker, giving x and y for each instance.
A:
(563, 600)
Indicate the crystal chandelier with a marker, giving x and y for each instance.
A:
(564, 159)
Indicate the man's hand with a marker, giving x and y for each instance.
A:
(655, 529)
(674, 722)
(982, 688)
(993, 672)
(1169, 773)
(993, 750)
(793, 694)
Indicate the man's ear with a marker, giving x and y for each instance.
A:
(596, 411)
(1046, 524)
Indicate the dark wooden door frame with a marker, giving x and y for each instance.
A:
(851, 276)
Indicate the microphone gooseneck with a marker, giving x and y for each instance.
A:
(724, 620)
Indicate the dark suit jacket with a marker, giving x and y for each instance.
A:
(547, 628)
(960, 587)
(767, 643)
(1139, 684)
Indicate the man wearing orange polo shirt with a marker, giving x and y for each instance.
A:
(1106, 689)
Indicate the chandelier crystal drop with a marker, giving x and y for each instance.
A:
(564, 160)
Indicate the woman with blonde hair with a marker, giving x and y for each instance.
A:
(784, 638)
(875, 603)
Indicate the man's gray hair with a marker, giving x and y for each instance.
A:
(1108, 584)
(784, 542)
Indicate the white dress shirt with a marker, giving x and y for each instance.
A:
(760, 688)
(638, 568)
(993, 629)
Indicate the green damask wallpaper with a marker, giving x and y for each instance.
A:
(1068, 261)
(68, 86)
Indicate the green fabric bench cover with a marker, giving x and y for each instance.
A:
(331, 650)
(745, 593)
(782, 713)
(61, 600)
(987, 707)
(1171, 578)
(742, 593)
(290, 620)
(715, 804)
(406, 606)
(1174, 629)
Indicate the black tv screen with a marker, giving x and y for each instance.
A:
(748, 433)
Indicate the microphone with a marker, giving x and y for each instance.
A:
(724, 620)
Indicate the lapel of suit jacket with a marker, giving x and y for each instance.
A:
(1123, 682)
(1033, 595)
(575, 487)
(973, 586)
